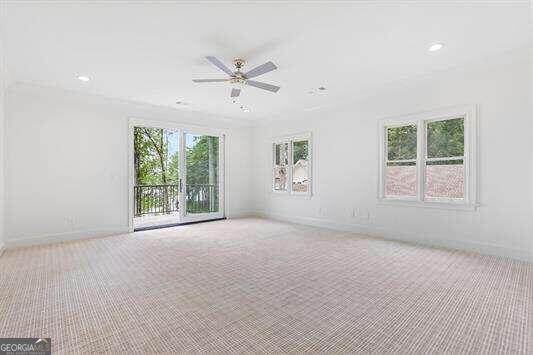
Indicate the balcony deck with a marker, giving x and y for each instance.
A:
(152, 220)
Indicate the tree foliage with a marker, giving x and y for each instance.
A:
(300, 150)
(202, 161)
(153, 163)
(401, 142)
(444, 139)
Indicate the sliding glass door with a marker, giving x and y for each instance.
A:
(155, 177)
(201, 180)
(177, 175)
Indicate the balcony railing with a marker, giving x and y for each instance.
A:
(163, 199)
(202, 198)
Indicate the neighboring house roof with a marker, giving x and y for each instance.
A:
(301, 162)
(300, 173)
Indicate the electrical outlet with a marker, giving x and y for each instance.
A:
(69, 221)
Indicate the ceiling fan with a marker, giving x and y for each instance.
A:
(239, 78)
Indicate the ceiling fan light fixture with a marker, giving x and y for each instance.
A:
(83, 78)
(238, 79)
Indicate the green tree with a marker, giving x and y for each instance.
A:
(300, 150)
(153, 165)
(202, 161)
(401, 142)
(445, 138)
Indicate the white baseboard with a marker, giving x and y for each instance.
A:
(241, 214)
(87, 234)
(63, 237)
(393, 234)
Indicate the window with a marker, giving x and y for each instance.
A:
(300, 166)
(444, 176)
(292, 165)
(401, 161)
(429, 159)
(281, 163)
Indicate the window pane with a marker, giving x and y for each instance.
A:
(201, 159)
(445, 138)
(445, 179)
(300, 169)
(400, 179)
(401, 142)
(281, 160)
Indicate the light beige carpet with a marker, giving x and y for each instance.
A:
(253, 285)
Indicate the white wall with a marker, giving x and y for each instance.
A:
(3, 86)
(67, 163)
(345, 162)
(60, 184)
(3, 80)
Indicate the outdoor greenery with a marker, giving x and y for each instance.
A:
(300, 150)
(153, 163)
(401, 142)
(281, 153)
(444, 139)
(156, 160)
(202, 161)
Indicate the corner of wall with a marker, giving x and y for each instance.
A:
(3, 87)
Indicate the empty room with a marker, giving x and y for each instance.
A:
(266, 177)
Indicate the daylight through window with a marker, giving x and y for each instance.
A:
(425, 159)
(291, 165)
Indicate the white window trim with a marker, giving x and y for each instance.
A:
(290, 140)
(470, 201)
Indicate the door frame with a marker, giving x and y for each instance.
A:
(188, 218)
(181, 128)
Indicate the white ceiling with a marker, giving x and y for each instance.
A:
(149, 52)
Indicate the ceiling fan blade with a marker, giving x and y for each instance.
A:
(235, 92)
(262, 69)
(219, 65)
(209, 80)
(263, 86)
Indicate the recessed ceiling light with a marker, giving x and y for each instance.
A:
(84, 78)
(435, 47)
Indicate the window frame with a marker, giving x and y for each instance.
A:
(274, 144)
(290, 141)
(421, 120)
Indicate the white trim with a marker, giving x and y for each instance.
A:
(410, 237)
(469, 114)
(273, 189)
(420, 163)
(194, 217)
(289, 140)
(64, 237)
(181, 129)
